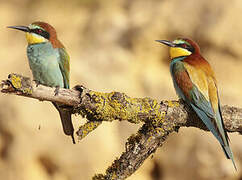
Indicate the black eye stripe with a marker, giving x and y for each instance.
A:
(41, 32)
(186, 46)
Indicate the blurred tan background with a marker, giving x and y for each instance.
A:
(111, 45)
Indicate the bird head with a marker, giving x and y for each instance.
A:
(181, 47)
(39, 32)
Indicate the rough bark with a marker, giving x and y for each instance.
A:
(159, 118)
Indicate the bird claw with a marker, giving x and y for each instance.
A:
(57, 88)
(177, 129)
(79, 88)
(37, 83)
(82, 90)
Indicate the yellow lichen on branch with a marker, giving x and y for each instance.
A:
(19, 84)
(88, 127)
(118, 106)
(158, 119)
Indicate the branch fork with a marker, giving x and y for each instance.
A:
(159, 119)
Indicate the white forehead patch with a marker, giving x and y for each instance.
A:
(178, 41)
(33, 26)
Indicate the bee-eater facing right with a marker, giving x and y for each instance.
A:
(195, 83)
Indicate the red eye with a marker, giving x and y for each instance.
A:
(184, 46)
(39, 31)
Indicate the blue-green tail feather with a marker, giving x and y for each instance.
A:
(221, 137)
(207, 121)
(229, 154)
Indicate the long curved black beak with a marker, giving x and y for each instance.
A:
(21, 28)
(168, 43)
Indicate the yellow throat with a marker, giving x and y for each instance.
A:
(34, 38)
(177, 52)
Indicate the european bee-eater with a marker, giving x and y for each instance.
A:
(49, 63)
(195, 83)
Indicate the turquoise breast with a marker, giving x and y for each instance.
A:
(44, 63)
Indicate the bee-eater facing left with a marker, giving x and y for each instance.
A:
(49, 63)
(195, 83)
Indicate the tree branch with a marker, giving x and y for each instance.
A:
(159, 118)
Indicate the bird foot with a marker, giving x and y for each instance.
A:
(82, 90)
(79, 88)
(57, 88)
(37, 83)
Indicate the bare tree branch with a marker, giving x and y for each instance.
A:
(159, 118)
